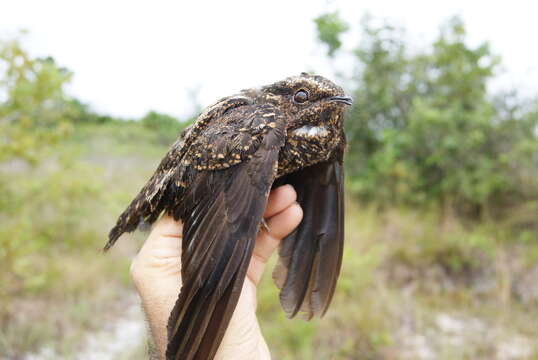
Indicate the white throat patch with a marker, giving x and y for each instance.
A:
(311, 131)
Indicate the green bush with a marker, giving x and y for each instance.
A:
(44, 215)
(423, 127)
(33, 115)
(166, 126)
(329, 28)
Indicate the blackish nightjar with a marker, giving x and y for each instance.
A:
(216, 178)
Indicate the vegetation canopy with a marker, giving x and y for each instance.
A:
(424, 128)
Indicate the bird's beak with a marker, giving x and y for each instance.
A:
(342, 99)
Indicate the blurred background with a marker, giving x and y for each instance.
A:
(441, 259)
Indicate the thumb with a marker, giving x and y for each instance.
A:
(161, 253)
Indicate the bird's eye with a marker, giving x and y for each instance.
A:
(300, 96)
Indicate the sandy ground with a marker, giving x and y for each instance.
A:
(119, 340)
(447, 337)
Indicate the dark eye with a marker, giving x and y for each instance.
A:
(300, 96)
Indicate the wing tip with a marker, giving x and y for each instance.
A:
(113, 236)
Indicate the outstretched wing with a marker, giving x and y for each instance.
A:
(310, 257)
(166, 185)
(221, 209)
(151, 200)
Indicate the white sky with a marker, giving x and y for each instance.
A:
(132, 56)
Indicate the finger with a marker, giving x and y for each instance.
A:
(156, 274)
(166, 226)
(279, 199)
(280, 226)
(166, 232)
(162, 250)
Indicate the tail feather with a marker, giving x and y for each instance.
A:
(310, 258)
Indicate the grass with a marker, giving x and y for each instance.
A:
(403, 269)
(53, 225)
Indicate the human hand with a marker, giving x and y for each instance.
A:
(156, 273)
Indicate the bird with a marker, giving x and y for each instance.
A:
(216, 178)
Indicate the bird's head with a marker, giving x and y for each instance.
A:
(313, 104)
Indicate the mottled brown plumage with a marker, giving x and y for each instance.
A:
(216, 179)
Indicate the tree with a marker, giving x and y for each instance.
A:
(167, 127)
(33, 111)
(329, 27)
(424, 128)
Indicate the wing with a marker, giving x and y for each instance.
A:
(310, 258)
(221, 211)
(164, 186)
(151, 200)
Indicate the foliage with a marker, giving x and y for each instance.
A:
(423, 127)
(401, 268)
(166, 126)
(42, 217)
(50, 210)
(33, 113)
(53, 222)
(329, 29)
(81, 113)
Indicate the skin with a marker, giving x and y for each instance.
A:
(156, 274)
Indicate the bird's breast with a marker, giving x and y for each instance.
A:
(306, 146)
